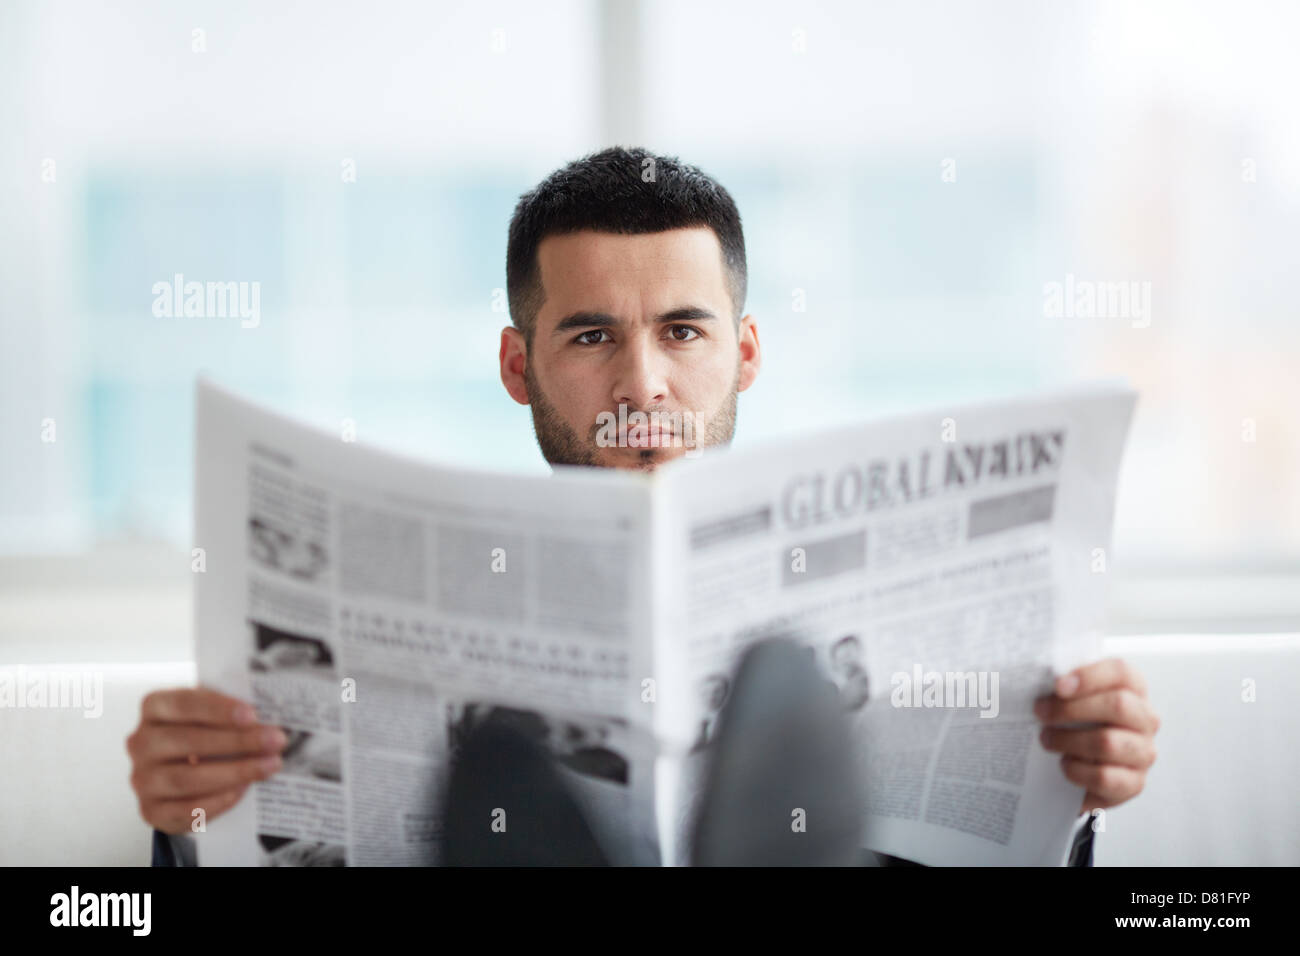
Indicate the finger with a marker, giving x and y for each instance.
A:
(156, 743)
(177, 816)
(1123, 708)
(1110, 674)
(1113, 745)
(169, 781)
(196, 705)
(1105, 783)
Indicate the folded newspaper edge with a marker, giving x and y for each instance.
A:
(941, 567)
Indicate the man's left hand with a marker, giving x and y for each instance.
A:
(1110, 760)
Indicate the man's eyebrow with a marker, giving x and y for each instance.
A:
(584, 320)
(602, 320)
(689, 313)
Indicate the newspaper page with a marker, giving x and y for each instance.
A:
(377, 609)
(942, 568)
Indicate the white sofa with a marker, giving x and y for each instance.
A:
(1225, 788)
(66, 797)
(1223, 791)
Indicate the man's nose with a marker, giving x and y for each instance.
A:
(641, 380)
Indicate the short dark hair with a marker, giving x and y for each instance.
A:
(618, 190)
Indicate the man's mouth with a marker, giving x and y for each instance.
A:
(646, 436)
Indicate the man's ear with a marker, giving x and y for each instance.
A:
(751, 356)
(514, 358)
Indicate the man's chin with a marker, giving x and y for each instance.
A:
(637, 459)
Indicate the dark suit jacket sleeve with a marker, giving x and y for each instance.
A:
(1081, 850)
(173, 850)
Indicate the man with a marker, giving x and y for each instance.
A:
(626, 277)
(713, 693)
(846, 666)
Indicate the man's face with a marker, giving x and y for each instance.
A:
(644, 322)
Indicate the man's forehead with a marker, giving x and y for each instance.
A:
(585, 262)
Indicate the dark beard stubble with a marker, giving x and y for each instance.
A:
(562, 445)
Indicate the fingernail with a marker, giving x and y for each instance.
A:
(273, 738)
(245, 715)
(271, 764)
(1040, 708)
(1067, 685)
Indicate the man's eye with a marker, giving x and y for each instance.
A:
(584, 340)
(694, 333)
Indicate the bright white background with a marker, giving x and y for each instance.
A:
(1104, 140)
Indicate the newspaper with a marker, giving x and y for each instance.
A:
(940, 568)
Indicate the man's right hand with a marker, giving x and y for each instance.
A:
(229, 749)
